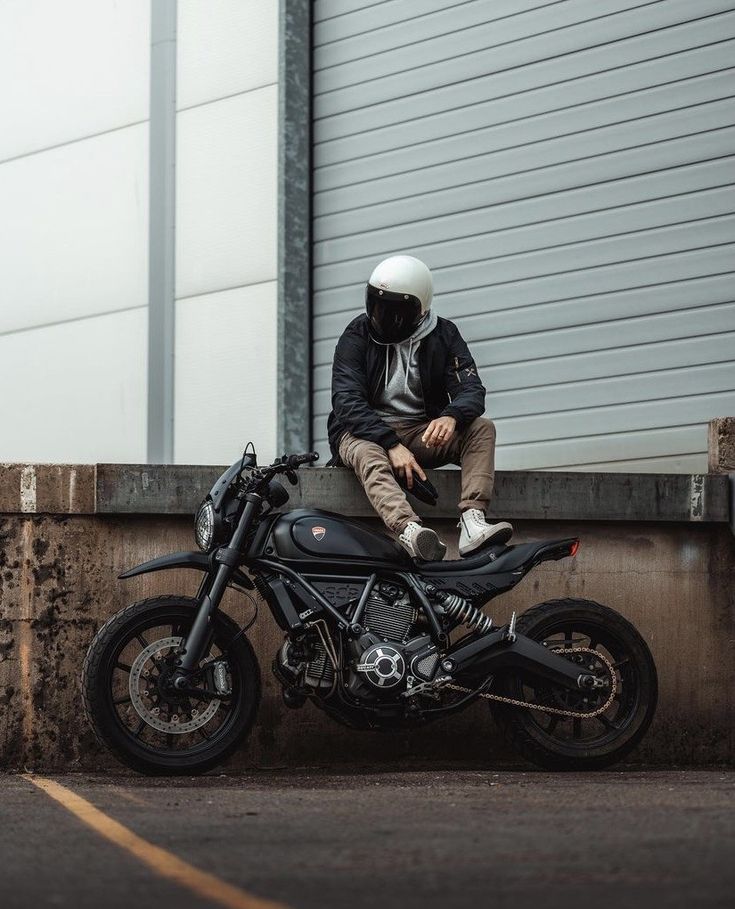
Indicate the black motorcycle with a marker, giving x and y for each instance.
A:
(376, 640)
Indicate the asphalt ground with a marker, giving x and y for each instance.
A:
(317, 840)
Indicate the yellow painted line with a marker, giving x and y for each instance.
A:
(160, 861)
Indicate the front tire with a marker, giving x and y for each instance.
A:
(561, 743)
(129, 711)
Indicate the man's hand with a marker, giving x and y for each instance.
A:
(439, 432)
(404, 463)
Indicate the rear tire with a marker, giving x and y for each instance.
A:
(610, 738)
(99, 681)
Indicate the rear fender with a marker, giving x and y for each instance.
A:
(557, 550)
(199, 561)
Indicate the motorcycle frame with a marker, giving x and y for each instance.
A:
(484, 655)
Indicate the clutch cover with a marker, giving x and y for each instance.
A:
(383, 666)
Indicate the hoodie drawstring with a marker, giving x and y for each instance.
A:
(408, 365)
(408, 362)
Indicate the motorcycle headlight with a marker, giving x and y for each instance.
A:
(204, 526)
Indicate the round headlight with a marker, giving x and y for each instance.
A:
(204, 526)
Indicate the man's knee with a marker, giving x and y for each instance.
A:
(481, 428)
(364, 457)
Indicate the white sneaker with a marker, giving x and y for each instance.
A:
(422, 543)
(475, 531)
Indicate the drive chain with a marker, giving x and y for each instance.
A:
(575, 714)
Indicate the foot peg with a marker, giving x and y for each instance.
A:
(510, 634)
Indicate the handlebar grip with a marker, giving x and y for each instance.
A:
(306, 458)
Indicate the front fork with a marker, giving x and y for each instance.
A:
(199, 639)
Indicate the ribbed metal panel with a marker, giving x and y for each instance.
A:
(567, 170)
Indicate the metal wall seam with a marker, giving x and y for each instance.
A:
(161, 241)
(294, 227)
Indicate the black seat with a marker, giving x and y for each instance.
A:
(501, 558)
(483, 556)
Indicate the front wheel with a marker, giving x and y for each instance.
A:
(133, 711)
(578, 630)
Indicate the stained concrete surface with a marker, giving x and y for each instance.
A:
(58, 584)
(317, 840)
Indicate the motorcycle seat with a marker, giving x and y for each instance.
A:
(495, 559)
(485, 555)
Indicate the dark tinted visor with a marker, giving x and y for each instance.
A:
(393, 317)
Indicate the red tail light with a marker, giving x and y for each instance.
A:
(573, 548)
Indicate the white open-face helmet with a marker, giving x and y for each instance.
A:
(397, 297)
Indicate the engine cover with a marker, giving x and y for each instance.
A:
(383, 666)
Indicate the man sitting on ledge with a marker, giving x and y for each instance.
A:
(406, 396)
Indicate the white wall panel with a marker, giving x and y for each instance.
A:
(606, 448)
(70, 69)
(75, 392)
(566, 171)
(74, 230)
(225, 47)
(226, 193)
(520, 41)
(226, 375)
(682, 463)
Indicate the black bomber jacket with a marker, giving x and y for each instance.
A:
(449, 381)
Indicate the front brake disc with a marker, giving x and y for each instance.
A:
(144, 691)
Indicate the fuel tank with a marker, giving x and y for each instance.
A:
(310, 534)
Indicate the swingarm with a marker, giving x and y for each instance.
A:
(500, 651)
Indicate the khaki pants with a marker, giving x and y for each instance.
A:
(474, 449)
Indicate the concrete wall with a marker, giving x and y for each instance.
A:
(74, 228)
(65, 533)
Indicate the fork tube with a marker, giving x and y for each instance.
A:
(200, 636)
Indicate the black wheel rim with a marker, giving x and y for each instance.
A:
(136, 728)
(593, 732)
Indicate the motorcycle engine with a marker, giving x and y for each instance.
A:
(390, 652)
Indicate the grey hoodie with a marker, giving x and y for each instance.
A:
(401, 397)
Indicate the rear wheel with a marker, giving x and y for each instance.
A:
(137, 716)
(585, 632)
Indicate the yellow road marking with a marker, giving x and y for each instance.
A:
(162, 862)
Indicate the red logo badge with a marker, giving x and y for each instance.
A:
(318, 533)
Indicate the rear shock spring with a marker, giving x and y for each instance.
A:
(464, 612)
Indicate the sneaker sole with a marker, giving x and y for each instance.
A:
(428, 546)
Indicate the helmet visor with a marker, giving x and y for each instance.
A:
(393, 317)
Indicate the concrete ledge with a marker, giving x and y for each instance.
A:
(47, 488)
(109, 489)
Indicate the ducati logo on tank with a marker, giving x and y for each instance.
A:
(318, 533)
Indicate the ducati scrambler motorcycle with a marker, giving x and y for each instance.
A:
(376, 640)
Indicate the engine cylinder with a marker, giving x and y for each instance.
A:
(390, 620)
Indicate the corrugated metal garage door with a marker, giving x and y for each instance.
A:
(566, 170)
